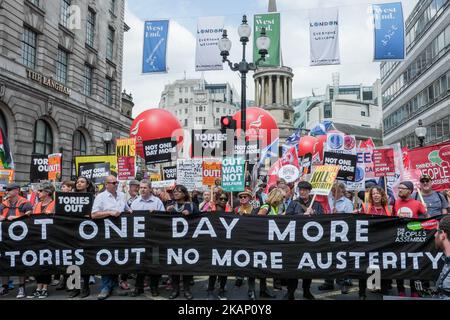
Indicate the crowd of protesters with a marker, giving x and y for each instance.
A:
(280, 199)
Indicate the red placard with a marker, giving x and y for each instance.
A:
(383, 162)
(434, 161)
(125, 168)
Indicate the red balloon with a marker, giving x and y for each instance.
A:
(307, 144)
(155, 124)
(259, 125)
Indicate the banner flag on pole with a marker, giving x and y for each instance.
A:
(209, 32)
(324, 36)
(270, 21)
(389, 29)
(155, 46)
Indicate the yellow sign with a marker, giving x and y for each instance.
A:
(155, 177)
(323, 179)
(126, 147)
(111, 159)
(6, 177)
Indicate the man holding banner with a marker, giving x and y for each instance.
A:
(109, 203)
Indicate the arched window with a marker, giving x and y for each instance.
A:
(79, 144)
(3, 125)
(43, 138)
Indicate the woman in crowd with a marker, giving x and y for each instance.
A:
(377, 205)
(67, 186)
(182, 205)
(221, 203)
(272, 206)
(46, 205)
(82, 185)
(206, 204)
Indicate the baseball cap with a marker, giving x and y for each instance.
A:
(425, 177)
(408, 184)
(12, 186)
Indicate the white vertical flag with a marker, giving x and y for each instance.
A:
(324, 36)
(209, 32)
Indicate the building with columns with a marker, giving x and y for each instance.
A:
(60, 81)
(273, 92)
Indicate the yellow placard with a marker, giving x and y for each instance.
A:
(323, 179)
(126, 147)
(111, 159)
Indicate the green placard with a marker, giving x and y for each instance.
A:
(271, 21)
(233, 177)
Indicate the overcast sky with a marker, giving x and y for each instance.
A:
(355, 33)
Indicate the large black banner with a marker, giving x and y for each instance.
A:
(328, 246)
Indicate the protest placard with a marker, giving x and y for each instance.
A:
(96, 172)
(159, 150)
(383, 162)
(323, 178)
(346, 163)
(39, 167)
(54, 166)
(212, 170)
(170, 173)
(189, 173)
(79, 204)
(233, 177)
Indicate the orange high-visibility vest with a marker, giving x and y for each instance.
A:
(7, 206)
(50, 209)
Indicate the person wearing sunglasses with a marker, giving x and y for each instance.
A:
(109, 203)
(221, 203)
(46, 205)
(435, 202)
(442, 242)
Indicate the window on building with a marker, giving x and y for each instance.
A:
(61, 66)
(217, 122)
(3, 124)
(180, 90)
(186, 100)
(217, 110)
(180, 100)
(43, 138)
(29, 38)
(185, 111)
(90, 28)
(186, 90)
(79, 144)
(110, 44)
(185, 122)
(327, 110)
(363, 113)
(87, 80)
(109, 92)
(65, 12)
(112, 7)
(286, 115)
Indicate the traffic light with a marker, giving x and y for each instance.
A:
(228, 122)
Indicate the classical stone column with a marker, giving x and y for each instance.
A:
(290, 92)
(285, 91)
(278, 92)
(256, 91)
(270, 91)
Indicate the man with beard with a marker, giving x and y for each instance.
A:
(405, 206)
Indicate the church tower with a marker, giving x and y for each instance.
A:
(273, 91)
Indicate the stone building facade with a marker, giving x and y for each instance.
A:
(61, 78)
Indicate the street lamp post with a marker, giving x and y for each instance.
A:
(421, 133)
(107, 138)
(262, 43)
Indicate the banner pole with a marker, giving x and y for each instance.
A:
(355, 200)
(421, 197)
(312, 201)
(385, 184)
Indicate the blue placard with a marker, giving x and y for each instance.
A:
(389, 31)
(155, 46)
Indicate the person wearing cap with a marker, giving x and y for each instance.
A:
(435, 202)
(13, 208)
(244, 207)
(46, 204)
(303, 207)
(133, 192)
(442, 242)
(405, 206)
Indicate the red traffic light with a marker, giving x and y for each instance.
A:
(225, 121)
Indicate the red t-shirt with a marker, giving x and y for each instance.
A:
(409, 208)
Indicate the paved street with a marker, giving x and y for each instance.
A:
(199, 292)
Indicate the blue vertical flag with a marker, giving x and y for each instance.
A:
(155, 46)
(389, 30)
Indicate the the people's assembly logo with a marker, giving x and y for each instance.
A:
(416, 231)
